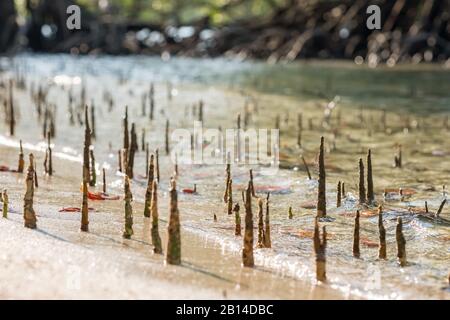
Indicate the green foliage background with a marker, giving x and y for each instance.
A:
(219, 12)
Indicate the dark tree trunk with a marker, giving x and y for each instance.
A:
(8, 25)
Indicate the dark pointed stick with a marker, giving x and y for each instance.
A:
(343, 190)
(382, 235)
(290, 214)
(12, 119)
(36, 183)
(157, 164)
(267, 238)
(173, 255)
(167, 148)
(93, 130)
(21, 164)
(128, 198)
(306, 168)
(149, 191)
(104, 179)
(152, 101)
(119, 158)
(28, 211)
(237, 220)
(86, 171)
(5, 201)
(338, 195)
(440, 208)
(230, 197)
(401, 243)
(156, 239)
(261, 237)
(321, 197)
(227, 181)
(251, 182)
(247, 250)
(143, 144)
(370, 193)
(426, 207)
(50, 162)
(356, 251)
(362, 188)
(93, 176)
(126, 137)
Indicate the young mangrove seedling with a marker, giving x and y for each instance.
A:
(21, 164)
(156, 239)
(128, 230)
(261, 237)
(28, 211)
(247, 250)
(173, 255)
(321, 197)
(215, 217)
(382, 235)
(5, 201)
(267, 239)
(356, 251)
(320, 251)
(338, 195)
(119, 159)
(362, 188)
(149, 191)
(237, 220)
(370, 193)
(290, 214)
(230, 197)
(401, 243)
(426, 207)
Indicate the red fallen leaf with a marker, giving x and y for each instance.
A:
(362, 213)
(369, 243)
(406, 192)
(190, 191)
(101, 196)
(6, 169)
(74, 209)
(308, 205)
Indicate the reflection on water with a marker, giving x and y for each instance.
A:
(354, 108)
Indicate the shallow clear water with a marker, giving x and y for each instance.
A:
(416, 99)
